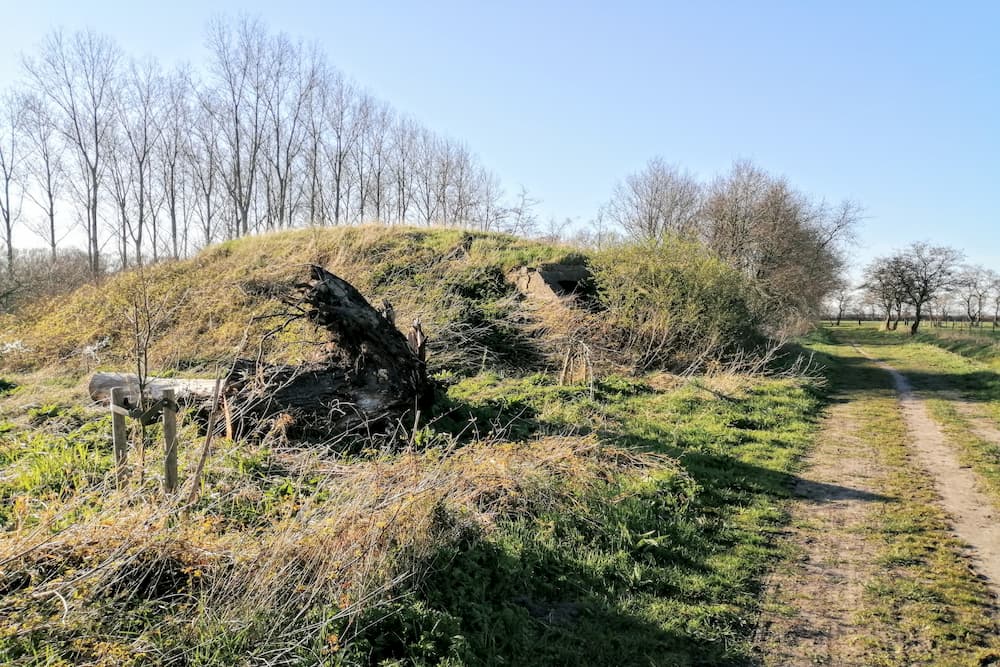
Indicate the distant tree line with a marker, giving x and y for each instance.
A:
(153, 163)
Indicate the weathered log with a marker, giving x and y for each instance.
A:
(367, 379)
(185, 389)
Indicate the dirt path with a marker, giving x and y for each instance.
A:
(973, 517)
(819, 606)
(824, 585)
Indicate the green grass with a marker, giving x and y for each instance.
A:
(652, 561)
(977, 343)
(661, 569)
(656, 564)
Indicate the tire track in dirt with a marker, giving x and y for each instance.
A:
(973, 517)
(825, 584)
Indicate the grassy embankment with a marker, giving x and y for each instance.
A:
(628, 522)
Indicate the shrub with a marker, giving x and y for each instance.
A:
(671, 303)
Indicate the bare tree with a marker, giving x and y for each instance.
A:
(661, 199)
(425, 183)
(556, 230)
(973, 285)
(12, 155)
(490, 212)
(140, 121)
(883, 285)
(122, 178)
(405, 148)
(46, 169)
(732, 213)
(378, 146)
(237, 99)
(77, 75)
(521, 218)
(173, 147)
(842, 301)
(204, 165)
(926, 272)
(341, 112)
(291, 84)
(790, 246)
(994, 280)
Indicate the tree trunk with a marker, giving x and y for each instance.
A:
(916, 321)
(185, 389)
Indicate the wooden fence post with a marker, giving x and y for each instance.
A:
(119, 434)
(170, 440)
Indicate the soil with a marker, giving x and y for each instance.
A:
(824, 585)
(972, 514)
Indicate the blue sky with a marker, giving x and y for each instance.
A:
(896, 105)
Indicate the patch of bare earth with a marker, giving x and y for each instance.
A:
(973, 517)
(810, 617)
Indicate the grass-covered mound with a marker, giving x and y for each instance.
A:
(651, 306)
(622, 520)
(218, 305)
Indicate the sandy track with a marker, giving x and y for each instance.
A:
(825, 584)
(971, 512)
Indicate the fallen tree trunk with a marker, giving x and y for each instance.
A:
(368, 380)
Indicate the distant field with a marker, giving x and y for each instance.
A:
(979, 343)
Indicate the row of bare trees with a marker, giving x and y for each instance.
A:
(788, 244)
(923, 282)
(265, 134)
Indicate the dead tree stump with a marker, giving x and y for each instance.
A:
(368, 381)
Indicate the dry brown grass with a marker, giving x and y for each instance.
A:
(363, 528)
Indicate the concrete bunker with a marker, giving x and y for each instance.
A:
(553, 281)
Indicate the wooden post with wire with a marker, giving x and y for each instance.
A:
(170, 441)
(119, 435)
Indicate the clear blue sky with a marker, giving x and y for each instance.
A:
(896, 105)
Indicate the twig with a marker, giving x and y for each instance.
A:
(196, 481)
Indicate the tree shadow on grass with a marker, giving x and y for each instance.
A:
(583, 594)
(542, 604)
